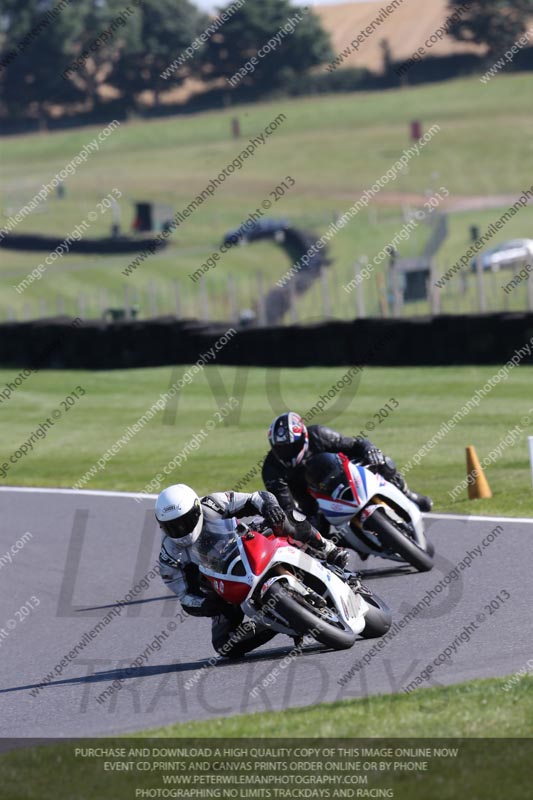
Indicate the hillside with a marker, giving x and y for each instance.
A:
(333, 147)
(405, 29)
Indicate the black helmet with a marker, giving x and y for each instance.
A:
(289, 438)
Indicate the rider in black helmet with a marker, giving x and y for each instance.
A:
(291, 443)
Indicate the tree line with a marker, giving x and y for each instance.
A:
(78, 55)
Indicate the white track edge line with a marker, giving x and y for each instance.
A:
(473, 518)
(107, 493)
(89, 492)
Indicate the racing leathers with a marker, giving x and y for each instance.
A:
(289, 486)
(231, 635)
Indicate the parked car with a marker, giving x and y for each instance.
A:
(506, 255)
(256, 229)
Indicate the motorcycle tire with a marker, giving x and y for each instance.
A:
(393, 539)
(305, 619)
(378, 618)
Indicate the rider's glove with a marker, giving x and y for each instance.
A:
(374, 457)
(274, 516)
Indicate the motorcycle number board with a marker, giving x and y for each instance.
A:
(352, 605)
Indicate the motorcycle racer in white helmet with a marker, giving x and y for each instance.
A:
(182, 516)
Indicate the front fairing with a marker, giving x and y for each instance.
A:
(363, 485)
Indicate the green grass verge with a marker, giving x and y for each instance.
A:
(475, 709)
(333, 146)
(470, 713)
(115, 400)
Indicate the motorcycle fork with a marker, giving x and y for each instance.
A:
(316, 598)
(357, 525)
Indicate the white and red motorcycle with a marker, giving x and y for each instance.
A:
(283, 587)
(371, 515)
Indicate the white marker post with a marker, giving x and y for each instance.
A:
(530, 442)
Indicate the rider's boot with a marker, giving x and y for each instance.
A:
(337, 556)
(234, 641)
(423, 502)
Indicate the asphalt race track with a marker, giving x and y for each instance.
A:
(89, 550)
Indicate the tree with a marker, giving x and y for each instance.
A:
(33, 47)
(96, 46)
(266, 43)
(90, 44)
(161, 31)
(495, 23)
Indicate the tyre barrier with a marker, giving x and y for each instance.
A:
(438, 341)
(108, 245)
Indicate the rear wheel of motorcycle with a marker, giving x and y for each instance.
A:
(378, 618)
(306, 620)
(398, 542)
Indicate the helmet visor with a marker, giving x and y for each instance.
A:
(288, 452)
(182, 526)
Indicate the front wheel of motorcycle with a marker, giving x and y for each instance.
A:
(378, 618)
(306, 619)
(397, 541)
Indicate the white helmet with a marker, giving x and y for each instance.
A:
(179, 513)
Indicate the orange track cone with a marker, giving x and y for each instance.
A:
(478, 486)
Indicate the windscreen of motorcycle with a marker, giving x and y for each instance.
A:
(325, 474)
(216, 547)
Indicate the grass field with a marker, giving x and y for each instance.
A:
(471, 714)
(115, 400)
(334, 147)
(474, 709)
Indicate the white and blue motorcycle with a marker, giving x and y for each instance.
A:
(371, 515)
